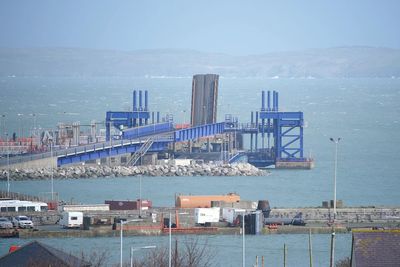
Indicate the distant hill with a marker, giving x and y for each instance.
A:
(318, 63)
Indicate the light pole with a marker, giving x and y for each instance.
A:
(204, 114)
(8, 165)
(140, 196)
(170, 236)
(170, 242)
(138, 123)
(34, 123)
(336, 141)
(244, 244)
(184, 116)
(332, 258)
(51, 168)
(3, 130)
(139, 248)
(121, 226)
(20, 127)
(109, 150)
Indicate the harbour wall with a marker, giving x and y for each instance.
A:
(34, 164)
(352, 215)
(346, 214)
(206, 169)
(316, 218)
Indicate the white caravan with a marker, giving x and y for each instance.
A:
(72, 219)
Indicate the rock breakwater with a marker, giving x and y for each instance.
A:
(240, 169)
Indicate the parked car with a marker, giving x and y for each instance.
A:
(22, 222)
(5, 223)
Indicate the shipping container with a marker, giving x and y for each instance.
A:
(206, 215)
(204, 201)
(242, 204)
(129, 204)
(89, 207)
(121, 205)
(254, 222)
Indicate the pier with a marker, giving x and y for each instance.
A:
(317, 219)
(276, 137)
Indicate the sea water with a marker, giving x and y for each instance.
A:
(364, 113)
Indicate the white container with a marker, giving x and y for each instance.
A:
(72, 219)
(206, 215)
(89, 207)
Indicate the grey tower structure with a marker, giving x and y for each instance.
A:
(204, 99)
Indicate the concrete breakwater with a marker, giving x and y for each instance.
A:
(343, 215)
(94, 171)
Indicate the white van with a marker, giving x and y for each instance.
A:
(72, 219)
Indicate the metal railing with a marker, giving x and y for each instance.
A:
(84, 149)
(142, 150)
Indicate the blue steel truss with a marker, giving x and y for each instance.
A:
(109, 149)
(125, 146)
(286, 127)
(199, 131)
(139, 116)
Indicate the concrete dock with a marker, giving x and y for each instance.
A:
(317, 221)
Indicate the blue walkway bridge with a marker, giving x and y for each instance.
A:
(139, 140)
(149, 138)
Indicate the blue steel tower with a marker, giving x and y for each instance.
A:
(283, 132)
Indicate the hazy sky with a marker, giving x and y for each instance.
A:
(233, 27)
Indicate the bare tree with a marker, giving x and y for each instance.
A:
(96, 259)
(196, 255)
(190, 254)
(343, 262)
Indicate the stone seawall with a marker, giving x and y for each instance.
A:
(350, 214)
(240, 169)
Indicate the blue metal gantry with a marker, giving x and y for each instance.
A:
(139, 116)
(134, 132)
(283, 132)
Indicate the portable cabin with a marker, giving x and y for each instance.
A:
(72, 219)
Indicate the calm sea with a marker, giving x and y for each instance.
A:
(363, 112)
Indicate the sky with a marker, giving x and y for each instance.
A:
(231, 27)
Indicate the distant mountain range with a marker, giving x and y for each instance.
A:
(317, 63)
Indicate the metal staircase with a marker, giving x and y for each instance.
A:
(236, 157)
(141, 152)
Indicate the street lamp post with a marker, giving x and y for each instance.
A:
(140, 196)
(20, 126)
(243, 245)
(332, 258)
(8, 165)
(204, 115)
(51, 168)
(139, 248)
(170, 242)
(184, 116)
(170, 236)
(3, 130)
(138, 123)
(336, 141)
(121, 226)
(110, 148)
